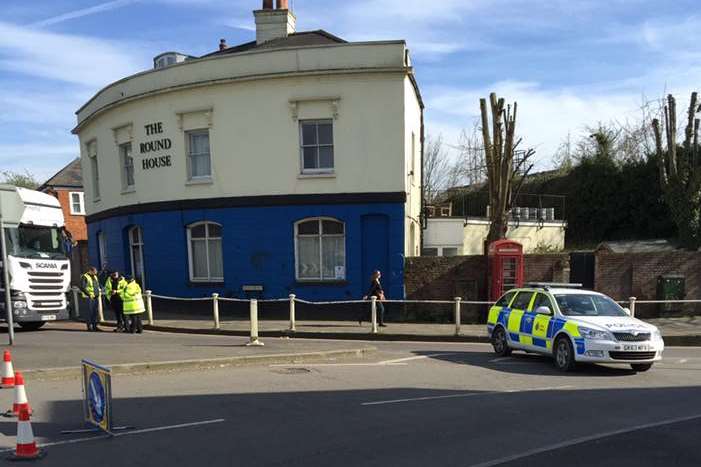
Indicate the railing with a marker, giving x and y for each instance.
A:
(457, 307)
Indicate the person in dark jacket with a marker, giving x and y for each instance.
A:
(376, 290)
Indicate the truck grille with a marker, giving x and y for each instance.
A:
(632, 355)
(43, 282)
(629, 337)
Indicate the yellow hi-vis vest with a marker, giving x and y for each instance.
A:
(108, 287)
(91, 286)
(132, 301)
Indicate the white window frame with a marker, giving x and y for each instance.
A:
(81, 203)
(125, 157)
(132, 246)
(188, 134)
(317, 122)
(207, 238)
(320, 236)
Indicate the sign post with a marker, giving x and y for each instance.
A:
(97, 396)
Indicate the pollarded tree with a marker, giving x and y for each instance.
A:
(504, 174)
(680, 171)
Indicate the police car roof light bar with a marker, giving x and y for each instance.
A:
(553, 285)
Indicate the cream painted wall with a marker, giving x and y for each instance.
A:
(529, 234)
(445, 232)
(413, 169)
(255, 139)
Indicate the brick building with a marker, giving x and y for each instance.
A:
(67, 186)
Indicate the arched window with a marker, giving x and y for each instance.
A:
(204, 241)
(136, 253)
(320, 250)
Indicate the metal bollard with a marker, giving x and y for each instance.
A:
(632, 306)
(100, 311)
(293, 318)
(457, 315)
(373, 313)
(215, 310)
(76, 304)
(254, 324)
(149, 308)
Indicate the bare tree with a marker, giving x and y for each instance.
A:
(680, 171)
(21, 179)
(470, 167)
(437, 170)
(502, 173)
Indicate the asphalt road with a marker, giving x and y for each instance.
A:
(409, 404)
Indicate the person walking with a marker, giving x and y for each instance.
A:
(89, 289)
(113, 285)
(376, 290)
(133, 305)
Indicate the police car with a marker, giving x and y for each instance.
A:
(572, 325)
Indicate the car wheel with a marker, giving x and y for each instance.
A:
(31, 325)
(640, 367)
(499, 342)
(564, 354)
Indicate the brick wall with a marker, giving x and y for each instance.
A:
(75, 224)
(635, 275)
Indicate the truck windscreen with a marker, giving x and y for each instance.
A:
(35, 242)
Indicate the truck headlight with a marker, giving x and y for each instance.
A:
(594, 334)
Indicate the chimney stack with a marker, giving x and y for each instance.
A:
(275, 23)
(222, 45)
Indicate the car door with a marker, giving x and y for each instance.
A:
(517, 325)
(541, 331)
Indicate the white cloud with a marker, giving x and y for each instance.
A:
(102, 7)
(70, 58)
(41, 159)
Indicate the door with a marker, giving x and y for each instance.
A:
(582, 267)
(136, 250)
(375, 250)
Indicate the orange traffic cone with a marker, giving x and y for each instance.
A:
(8, 374)
(26, 445)
(21, 402)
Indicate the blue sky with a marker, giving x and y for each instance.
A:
(569, 64)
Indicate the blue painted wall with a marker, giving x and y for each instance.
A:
(258, 248)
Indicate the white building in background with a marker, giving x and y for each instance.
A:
(291, 163)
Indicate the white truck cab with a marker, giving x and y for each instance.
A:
(39, 270)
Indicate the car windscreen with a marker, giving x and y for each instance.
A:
(588, 305)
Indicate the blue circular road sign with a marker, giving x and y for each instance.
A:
(96, 397)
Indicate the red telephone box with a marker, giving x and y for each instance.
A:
(505, 267)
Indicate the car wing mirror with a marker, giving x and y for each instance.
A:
(543, 310)
(628, 312)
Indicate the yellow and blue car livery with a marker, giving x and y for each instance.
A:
(597, 329)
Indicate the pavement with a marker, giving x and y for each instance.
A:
(676, 331)
(407, 403)
(57, 349)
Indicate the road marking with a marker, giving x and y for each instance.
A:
(463, 395)
(585, 439)
(683, 360)
(395, 362)
(125, 433)
(418, 357)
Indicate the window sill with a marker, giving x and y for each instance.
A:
(96, 200)
(317, 175)
(337, 283)
(200, 181)
(128, 191)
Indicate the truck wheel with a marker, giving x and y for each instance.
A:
(640, 367)
(31, 325)
(564, 354)
(499, 342)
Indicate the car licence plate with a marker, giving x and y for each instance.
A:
(640, 348)
(48, 317)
